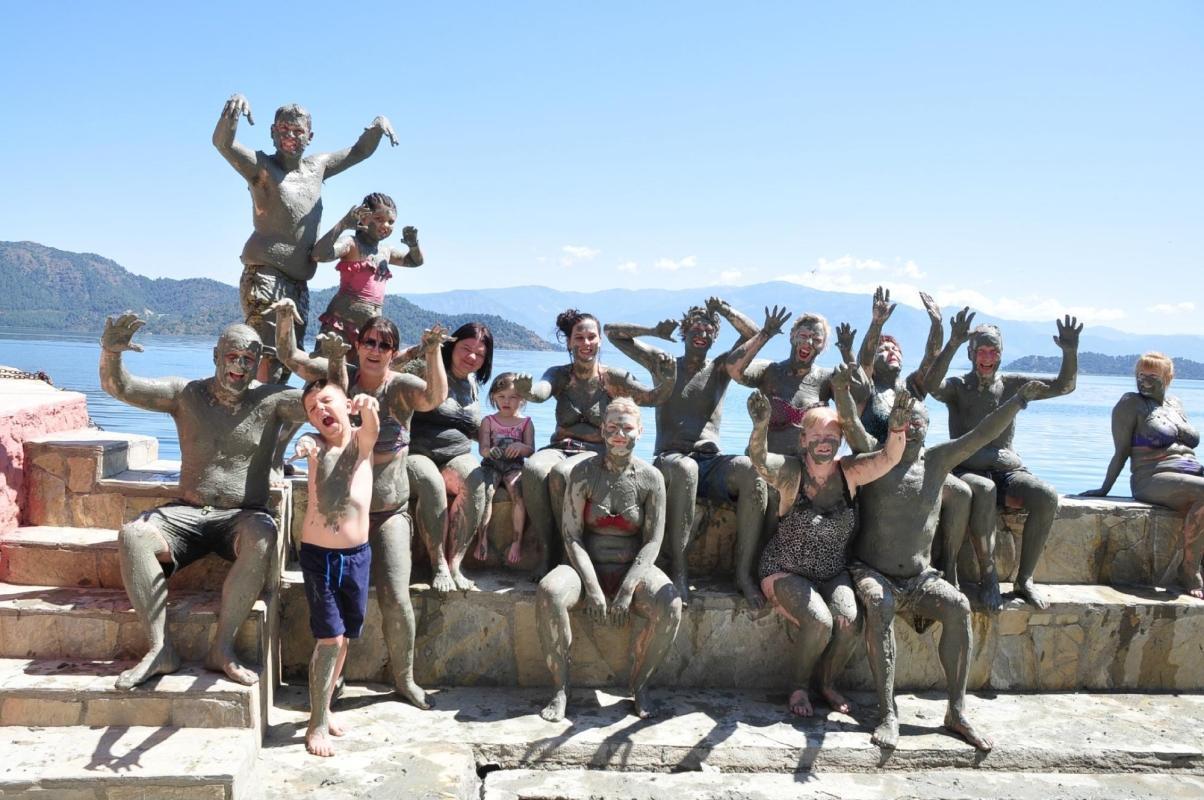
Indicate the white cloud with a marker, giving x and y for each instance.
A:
(1173, 308)
(572, 253)
(673, 266)
(730, 276)
(863, 276)
(628, 266)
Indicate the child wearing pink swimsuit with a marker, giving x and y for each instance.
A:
(506, 439)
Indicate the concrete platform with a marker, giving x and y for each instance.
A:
(945, 784)
(750, 732)
(50, 555)
(1092, 637)
(129, 763)
(57, 622)
(60, 692)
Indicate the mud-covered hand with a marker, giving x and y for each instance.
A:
(758, 408)
(934, 311)
(119, 331)
(237, 106)
(434, 337)
(620, 607)
(842, 378)
(900, 412)
(332, 346)
(285, 308)
(365, 402)
(959, 326)
(664, 329)
(665, 369)
(1033, 390)
(386, 128)
(846, 334)
(595, 606)
(1100, 492)
(1068, 333)
(717, 305)
(409, 236)
(883, 307)
(306, 448)
(775, 318)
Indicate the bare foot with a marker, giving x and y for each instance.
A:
(962, 727)
(225, 662)
(644, 707)
(156, 662)
(442, 581)
(462, 583)
(1191, 581)
(988, 592)
(683, 587)
(800, 703)
(554, 710)
(333, 726)
(835, 700)
(317, 744)
(414, 694)
(752, 593)
(482, 552)
(1029, 591)
(887, 733)
(514, 554)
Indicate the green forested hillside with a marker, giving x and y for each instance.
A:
(48, 289)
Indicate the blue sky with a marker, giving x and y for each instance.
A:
(1025, 158)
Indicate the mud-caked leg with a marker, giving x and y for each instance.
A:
(255, 543)
(390, 542)
(955, 517)
(140, 545)
(655, 600)
(1040, 500)
(846, 628)
(558, 593)
(536, 470)
(752, 497)
(984, 517)
(426, 482)
(681, 493)
(465, 481)
(878, 600)
(800, 602)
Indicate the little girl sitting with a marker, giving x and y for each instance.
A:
(506, 439)
(363, 263)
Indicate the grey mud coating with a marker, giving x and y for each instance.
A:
(614, 523)
(687, 430)
(228, 427)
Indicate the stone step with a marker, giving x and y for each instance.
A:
(63, 692)
(1091, 637)
(124, 763)
(49, 555)
(61, 622)
(720, 731)
(954, 784)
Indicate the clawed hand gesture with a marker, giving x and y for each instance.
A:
(119, 331)
(386, 128)
(883, 307)
(409, 236)
(716, 305)
(758, 407)
(238, 106)
(900, 412)
(331, 346)
(434, 337)
(1033, 390)
(356, 216)
(774, 320)
(365, 403)
(664, 329)
(845, 336)
(664, 369)
(522, 384)
(959, 326)
(841, 378)
(283, 309)
(1068, 333)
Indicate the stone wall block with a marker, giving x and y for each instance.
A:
(99, 510)
(46, 503)
(40, 711)
(149, 711)
(30, 636)
(1128, 552)
(45, 566)
(209, 712)
(88, 637)
(1074, 550)
(474, 647)
(82, 473)
(47, 460)
(1166, 544)
(529, 660)
(198, 792)
(713, 542)
(1014, 665)
(706, 642)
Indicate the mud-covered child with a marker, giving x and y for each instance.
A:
(335, 557)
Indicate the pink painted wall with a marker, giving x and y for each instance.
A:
(43, 412)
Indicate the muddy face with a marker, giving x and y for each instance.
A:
(327, 410)
(291, 136)
(889, 359)
(699, 334)
(822, 441)
(621, 429)
(584, 342)
(1151, 384)
(375, 350)
(379, 224)
(806, 343)
(236, 359)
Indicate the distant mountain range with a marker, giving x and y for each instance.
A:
(1100, 364)
(48, 289)
(536, 307)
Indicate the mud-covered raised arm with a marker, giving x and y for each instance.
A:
(364, 146)
(330, 247)
(959, 333)
(742, 355)
(880, 312)
(1068, 340)
(412, 257)
(932, 347)
(1124, 422)
(869, 467)
(241, 158)
(744, 325)
(538, 391)
(425, 395)
(947, 455)
(621, 383)
(625, 337)
(310, 368)
(153, 394)
(781, 472)
(860, 440)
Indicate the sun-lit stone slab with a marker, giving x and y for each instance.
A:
(129, 763)
(1091, 637)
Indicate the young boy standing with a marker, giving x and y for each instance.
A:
(335, 557)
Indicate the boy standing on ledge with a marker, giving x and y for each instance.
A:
(335, 557)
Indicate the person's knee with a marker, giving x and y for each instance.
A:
(956, 493)
(333, 641)
(879, 605)
(141, 538)
(681, 474)
(956, 609)
(982, 490)
(256, 537)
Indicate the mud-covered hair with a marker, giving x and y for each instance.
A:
(471, 330)
(570, 318)
(623, 404)
(698, 312)
(1154, 360)
(819, 415)
(983, 332)
(378, 200)
(812, 319)
(383, 326)
(293, 111)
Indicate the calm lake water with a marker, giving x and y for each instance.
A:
(1066, 440)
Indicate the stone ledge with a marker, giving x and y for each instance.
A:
(87, 557)
(1092, 637)
(61, 692)
(58, 622)
(125, 763)
(29, 409)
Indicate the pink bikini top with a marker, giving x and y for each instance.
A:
(364, 280)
